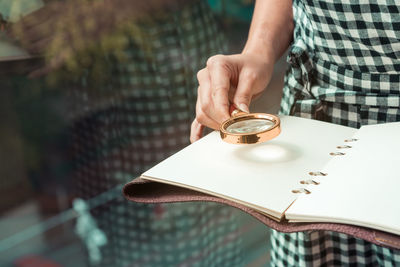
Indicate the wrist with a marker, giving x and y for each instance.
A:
(262, 49)
(261, 55)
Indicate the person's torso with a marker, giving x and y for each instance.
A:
(346, 52)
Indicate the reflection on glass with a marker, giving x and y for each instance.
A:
(77, 131)
(249, 126)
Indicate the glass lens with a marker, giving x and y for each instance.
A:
(249, 126)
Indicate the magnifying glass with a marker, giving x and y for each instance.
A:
(249, 128)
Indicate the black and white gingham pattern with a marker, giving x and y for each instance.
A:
(345, 69)
(358, 35)
(139, 118)
(340, 56)
(324, 248)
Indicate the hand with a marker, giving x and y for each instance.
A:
(229, 79)
(59, 30)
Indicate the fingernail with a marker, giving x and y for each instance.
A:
(244, 107)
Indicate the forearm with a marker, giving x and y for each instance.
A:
(271, 29)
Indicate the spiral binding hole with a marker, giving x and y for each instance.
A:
(317, 174)
(309, 182)
(343, 147)
(337, 154)
(351, 140)
(301, 190)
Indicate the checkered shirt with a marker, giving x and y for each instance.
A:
(345, 69)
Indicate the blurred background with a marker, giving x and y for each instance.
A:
(92, 94)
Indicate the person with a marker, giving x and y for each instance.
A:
(344, 68)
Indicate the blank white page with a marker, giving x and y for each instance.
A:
(362, 187)
(259, 175)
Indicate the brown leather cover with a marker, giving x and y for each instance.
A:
(145, 191)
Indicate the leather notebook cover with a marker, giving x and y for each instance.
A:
(145, 191)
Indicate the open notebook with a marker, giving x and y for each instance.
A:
(342, 175)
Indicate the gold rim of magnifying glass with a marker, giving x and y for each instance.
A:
(251, 137)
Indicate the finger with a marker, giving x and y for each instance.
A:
(41, 15)
(31, 35)
(204, 90)
(39, 31)
(231, 94)
(30, 21)
(40, 72)
(244, 90)
(220, 84)
(40, 46)
(196, 131)
(204, 119)
(55, 63)
(204, 106)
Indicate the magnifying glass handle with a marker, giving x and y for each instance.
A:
(234, 111)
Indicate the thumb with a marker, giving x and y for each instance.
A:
(244, 91)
